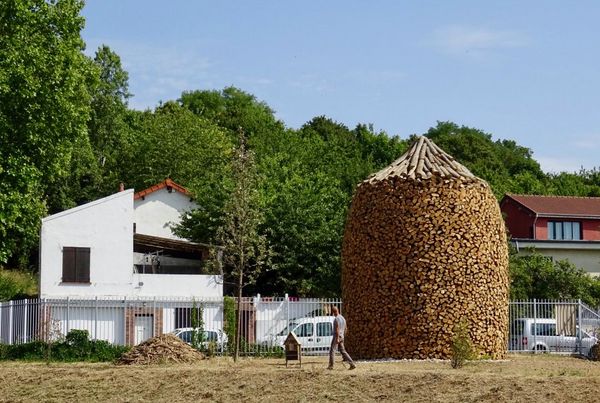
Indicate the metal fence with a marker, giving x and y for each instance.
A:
(567, 327)
(265, 322)
(534, 325)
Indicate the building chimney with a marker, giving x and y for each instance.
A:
(121, 187)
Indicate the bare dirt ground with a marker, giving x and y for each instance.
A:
(522, 378)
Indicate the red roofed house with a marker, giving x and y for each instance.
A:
(562, 227)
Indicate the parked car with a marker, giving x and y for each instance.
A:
(314, 333)
(215, 336)
(528, 334)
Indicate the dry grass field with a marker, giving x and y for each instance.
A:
(523, 378)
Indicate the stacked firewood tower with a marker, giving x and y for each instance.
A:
(424, 248)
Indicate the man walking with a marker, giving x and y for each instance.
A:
(339, 327)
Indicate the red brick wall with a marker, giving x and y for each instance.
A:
(131, 313)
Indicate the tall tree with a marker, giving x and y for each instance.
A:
(108, 130)
(233, 108)
(173, 142)
(44, 107)
(244, 249)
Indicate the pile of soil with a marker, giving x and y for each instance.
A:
(166, 348)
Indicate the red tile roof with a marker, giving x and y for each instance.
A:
(168, 183)
(566, 206)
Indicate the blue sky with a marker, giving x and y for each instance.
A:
(522, 70)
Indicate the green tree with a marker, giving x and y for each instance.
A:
(537, 276)
(234, 109)
(108, 130)
(173, 142)
(583, 183)
(506, 166)
(244, 249)
(44, 107)
(305, 218)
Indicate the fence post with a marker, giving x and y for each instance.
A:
(45, 321)
(125, 321)
(287, 322)
(67, 325)
(578, 328)
(154, 317)
(534, 326)
(96, 318)
(25, 321)
(10, 321)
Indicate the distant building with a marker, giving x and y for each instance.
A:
(122, 245)
(561, 227)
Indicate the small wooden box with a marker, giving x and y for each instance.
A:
(293, 349)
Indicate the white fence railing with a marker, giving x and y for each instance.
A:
(534, 325)
(125, 321)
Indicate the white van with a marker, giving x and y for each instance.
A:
(528, 334)
(314, 333)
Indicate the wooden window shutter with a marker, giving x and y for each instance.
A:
(76, 265)
(82, 265)
(68, 269)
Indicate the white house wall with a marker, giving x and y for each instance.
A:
(106, 227)
(583, 254)
(177, 285)
(159, 210)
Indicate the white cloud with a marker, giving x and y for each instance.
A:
(254, 80)
(159, 73)
(376, 76)
(590, 143)
(558, 164)
(457, 39)
(311, 83)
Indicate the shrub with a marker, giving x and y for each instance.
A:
(257, 350)
(229, 327)
(211, 349)
(75, 347)
(537, 276)
(197, 320)
(16, 284)
(462, 348)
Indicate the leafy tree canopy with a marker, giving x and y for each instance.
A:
(44, 107)
(506, 166)
(537, 276)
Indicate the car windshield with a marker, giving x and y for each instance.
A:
(287, 329)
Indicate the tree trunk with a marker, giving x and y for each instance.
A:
(238, 319)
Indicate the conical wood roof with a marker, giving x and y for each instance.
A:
(423, 160)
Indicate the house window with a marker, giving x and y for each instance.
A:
(76, 265)
(564, 230)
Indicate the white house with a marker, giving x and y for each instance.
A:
(122, 246)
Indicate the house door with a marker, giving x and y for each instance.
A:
(142, 328)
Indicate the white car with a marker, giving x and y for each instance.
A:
(210, 335)
(314, 333)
